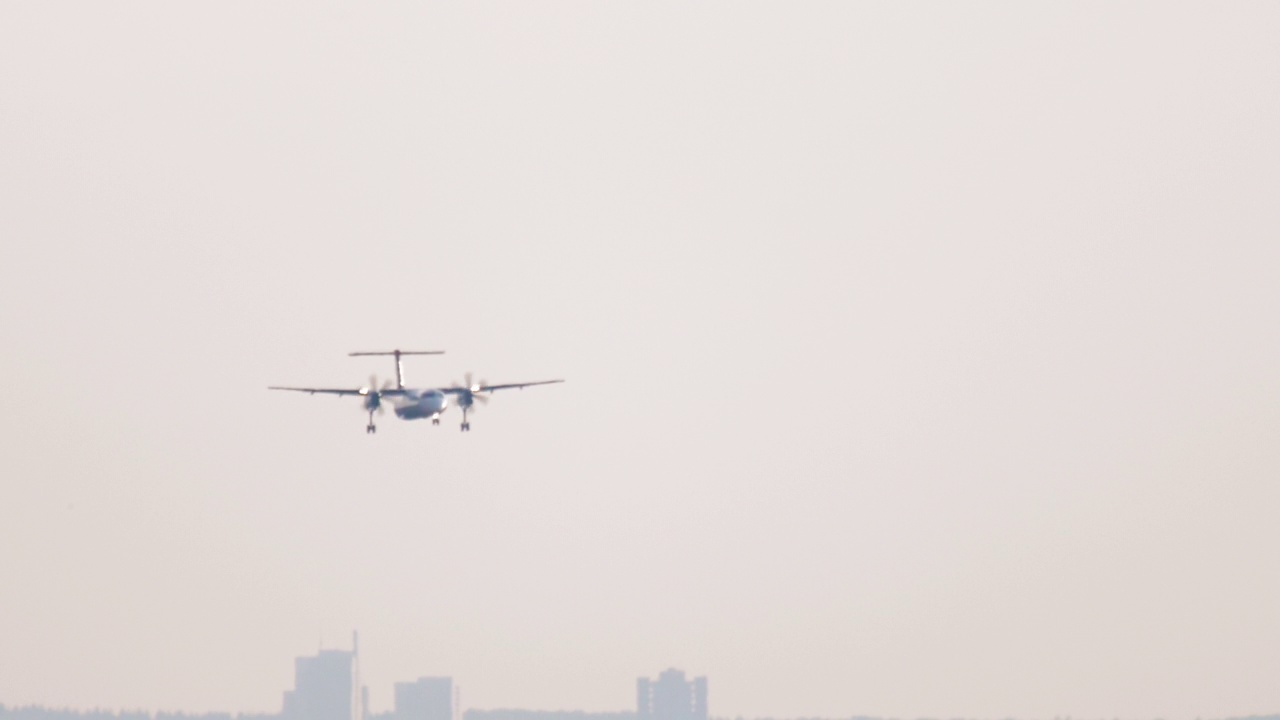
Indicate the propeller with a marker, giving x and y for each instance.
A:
(470, 392)
(373, 394)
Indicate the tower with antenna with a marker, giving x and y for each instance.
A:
(326, 686)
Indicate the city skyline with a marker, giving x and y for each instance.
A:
(327, 686)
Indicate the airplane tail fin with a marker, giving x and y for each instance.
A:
(399, 365)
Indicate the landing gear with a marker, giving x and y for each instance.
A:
(435, 421)
(466, 427)
(370, 428)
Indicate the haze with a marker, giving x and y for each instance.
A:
(921, 358)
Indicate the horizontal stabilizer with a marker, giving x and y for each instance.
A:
(398, 352)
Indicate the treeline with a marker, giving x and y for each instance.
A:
(39, 712)
(545, 715)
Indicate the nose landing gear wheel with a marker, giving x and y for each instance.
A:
(435, 421)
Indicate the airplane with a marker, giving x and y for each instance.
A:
(415, 403)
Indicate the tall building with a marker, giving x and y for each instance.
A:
(671, 697)
(326, 686)
(428, 698)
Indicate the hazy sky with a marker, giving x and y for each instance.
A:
(922, 359)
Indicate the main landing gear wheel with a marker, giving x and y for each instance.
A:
(370, 428)
(466, 427)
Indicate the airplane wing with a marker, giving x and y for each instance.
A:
(337, 391)
(508, 386)
(455, 390)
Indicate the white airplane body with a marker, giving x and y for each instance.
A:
(417, 403)
(420, 404)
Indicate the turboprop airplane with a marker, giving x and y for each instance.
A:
(417, 403)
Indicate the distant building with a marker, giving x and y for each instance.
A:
(428, 698)
(326, 686)
(671, 697)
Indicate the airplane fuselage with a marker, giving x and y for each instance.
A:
(420, 404)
